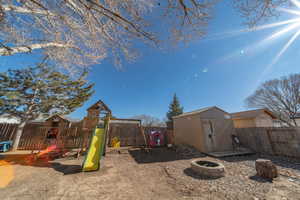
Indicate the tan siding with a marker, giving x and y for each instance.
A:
(187, 130)
(244, 123)
(264, 120)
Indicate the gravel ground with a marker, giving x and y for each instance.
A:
(134, 174)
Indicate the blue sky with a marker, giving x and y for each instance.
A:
(207, 72)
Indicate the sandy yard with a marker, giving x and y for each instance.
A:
(133, 174)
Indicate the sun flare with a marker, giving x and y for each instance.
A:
(290, 26)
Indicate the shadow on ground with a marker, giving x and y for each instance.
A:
(285, 162)
(260, 179)
(160, 155)
(191, 173)
(66, 169)
(29, 160)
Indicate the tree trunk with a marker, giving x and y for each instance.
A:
(18, 136)
(296, 125)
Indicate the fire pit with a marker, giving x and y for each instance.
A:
(208, 168)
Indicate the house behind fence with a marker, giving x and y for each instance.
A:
(254, 118)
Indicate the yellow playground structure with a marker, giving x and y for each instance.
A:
(97, 144)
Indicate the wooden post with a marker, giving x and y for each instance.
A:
(18, 136)
(145, 139)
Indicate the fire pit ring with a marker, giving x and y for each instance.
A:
(208, 168)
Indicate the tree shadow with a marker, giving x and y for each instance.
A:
(189, 172)
(159, 155)
(281, 161)
(241, 158)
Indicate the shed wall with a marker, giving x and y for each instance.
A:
(208, 131)
(243, 123)
(187, 130)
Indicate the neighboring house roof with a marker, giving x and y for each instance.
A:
(37, 121)
(66, 118)
(251, 114)
(70, 119)
(198, 111)
(6, 118)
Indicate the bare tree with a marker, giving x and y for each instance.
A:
(84, 32)
(256, 11)
(149, 121)
(281, 96)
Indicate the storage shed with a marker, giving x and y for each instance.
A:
(208, 129)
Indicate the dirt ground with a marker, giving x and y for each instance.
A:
(134, 174)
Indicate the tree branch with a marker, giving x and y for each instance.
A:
(4, 51)
(23, 10)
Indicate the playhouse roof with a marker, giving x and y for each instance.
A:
(100, 105)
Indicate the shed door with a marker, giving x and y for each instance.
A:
(209, 132)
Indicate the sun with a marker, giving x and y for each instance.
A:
(290, 26)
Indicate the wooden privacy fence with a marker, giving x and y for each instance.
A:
(274, 141)
(35, 138)
(7, 131)
(34, 135)
(134, 135)
(129, 134)
(169, 134)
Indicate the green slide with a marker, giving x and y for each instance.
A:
(96, 149)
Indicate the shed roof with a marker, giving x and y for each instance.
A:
(198, 111)
(251, 114)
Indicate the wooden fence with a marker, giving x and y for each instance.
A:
(129, 134)
(35, 138)
(274, 141)
(34, 135)
(169, 134)
(7, 131)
